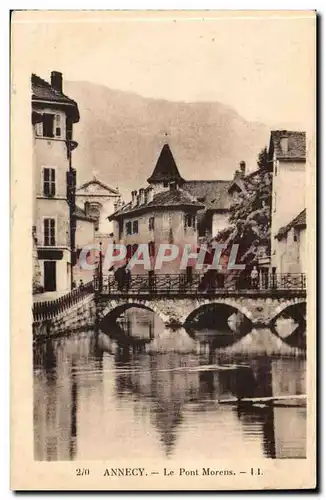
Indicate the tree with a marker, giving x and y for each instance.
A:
(262, 160)
(250, 215)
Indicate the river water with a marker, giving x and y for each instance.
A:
(95, 398)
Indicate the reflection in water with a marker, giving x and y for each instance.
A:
(91, 397)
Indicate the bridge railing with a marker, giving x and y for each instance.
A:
(51, 308)
(197, 283)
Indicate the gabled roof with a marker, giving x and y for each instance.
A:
(43, 91)
(298, 222)
(166, 168)
(99, 183)
(176, 198)
(296, 145)
(213, 194)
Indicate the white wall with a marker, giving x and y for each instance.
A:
(219, 222)
(84, 233)
(288, 198)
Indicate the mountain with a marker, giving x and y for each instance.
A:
(120, 136)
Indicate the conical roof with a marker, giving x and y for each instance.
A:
(166, 168)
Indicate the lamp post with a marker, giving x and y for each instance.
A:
(273, 277)
(100, 270)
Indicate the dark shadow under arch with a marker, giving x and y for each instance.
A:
(297, 312)
(110, 324)
(210, 323)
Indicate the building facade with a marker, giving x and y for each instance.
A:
(291, 254)
(163, 212)
(173, 210)
(287, 157)
(99, 201)
(53, 117)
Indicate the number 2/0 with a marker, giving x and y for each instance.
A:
(82, 472)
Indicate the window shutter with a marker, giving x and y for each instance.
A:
(58, 125)
(38, 128)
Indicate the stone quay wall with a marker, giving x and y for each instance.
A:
(78, 317)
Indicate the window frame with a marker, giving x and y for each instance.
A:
(189, 217)
(135, 224)
(51, 182)
(57, 125)
(53, 125)
(128, 227)
(52, 239)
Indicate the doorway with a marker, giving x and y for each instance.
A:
(50, 276)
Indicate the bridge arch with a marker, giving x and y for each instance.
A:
(286, 304)
(236, 306)
(117, 307)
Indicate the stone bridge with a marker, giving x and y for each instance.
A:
(260, 308)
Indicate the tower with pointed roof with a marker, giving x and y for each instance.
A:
(165, 172)
(162, 212)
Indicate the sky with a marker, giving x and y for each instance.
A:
(261, 66)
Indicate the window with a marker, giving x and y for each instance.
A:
(49, 182)
(151, 222)
(49, 232)
(165, 184)
(135, 227)
(57, 125)
(274, 201)
(275, 167)
(190, 221)
(48, 122)
(128, 227)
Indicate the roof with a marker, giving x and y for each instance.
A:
(298, 222)
(166, 168)
(237, 184)
(213, 193)
(98, 182)
(80, 214)
(171, 198)
(296, 149)
(43, 91)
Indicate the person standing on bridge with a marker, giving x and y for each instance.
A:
(254, 275)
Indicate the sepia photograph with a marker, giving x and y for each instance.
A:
(167, 185)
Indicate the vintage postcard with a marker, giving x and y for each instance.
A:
(163, 181)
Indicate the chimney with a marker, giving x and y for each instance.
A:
(133, 198)
(56, 80)
(284, 144)
(141, 196)
(149, 191)
(242, 168)
(236, 175)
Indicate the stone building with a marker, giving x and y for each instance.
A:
(291, 255)
(98, 200)
(53, 117)
(287, 157)
(95, 200)
(173, 210)
(163, 212)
